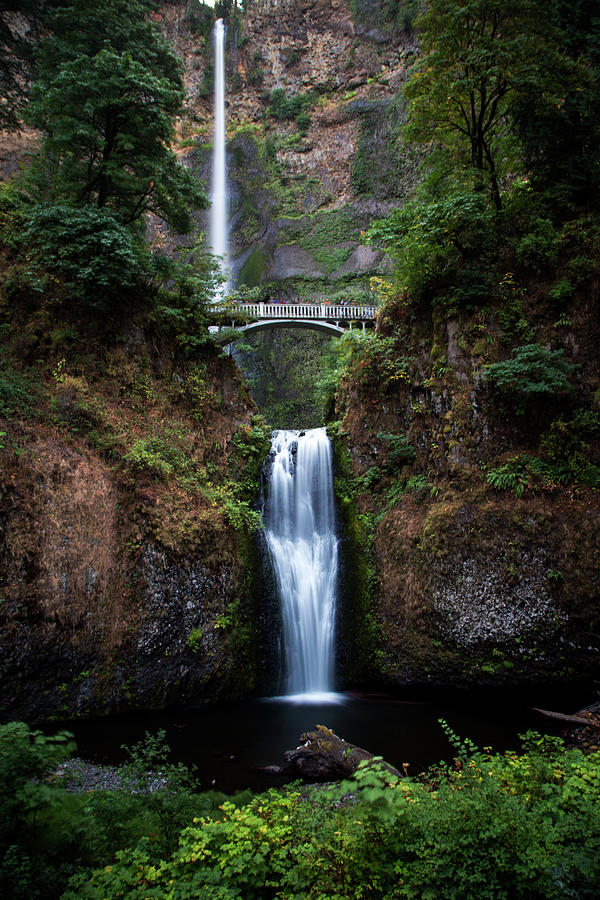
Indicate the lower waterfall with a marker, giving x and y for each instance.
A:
(299, 517)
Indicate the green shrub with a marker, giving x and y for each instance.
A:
(394, 494)
(241, 516)
(303, 122)
(565, 437)
(194, 639)
(97, 257)
(561, 292)
(207, 85)
(196, 390)
(566, 445)
(440, 248)
(537, 250)
(199, 17)
(31, 859)
(370, 478)
(26, 758)
(181, 311)
(17, 392)
(534, 370)
(563, 460)
(551, 473)
(151, 455)
(418, 484)
(489, 826)
(511, 317)
(285, 108)
(581, 269)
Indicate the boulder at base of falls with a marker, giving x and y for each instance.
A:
(323, 756)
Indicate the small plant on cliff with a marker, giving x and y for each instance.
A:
(241, 516)
(148, 455)
(512, 476)
(196, 390)
(537, 249)
(566, 447)
(194, 639)
(400, 450)
(17, 393)
(419, 485)
(510, 314)
(284, 108)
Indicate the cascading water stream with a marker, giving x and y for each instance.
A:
(218, 216)
(299, 518)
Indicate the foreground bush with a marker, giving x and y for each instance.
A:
(491, 826)
(48, 833)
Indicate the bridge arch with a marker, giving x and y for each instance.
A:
(312, 324)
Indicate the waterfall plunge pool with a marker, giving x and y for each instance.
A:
(229, 743)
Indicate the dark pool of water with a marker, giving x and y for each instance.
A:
(228, 743)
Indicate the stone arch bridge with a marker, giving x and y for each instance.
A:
(334, 320)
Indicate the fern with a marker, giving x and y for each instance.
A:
(509, 477)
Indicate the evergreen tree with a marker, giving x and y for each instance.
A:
(106, 95)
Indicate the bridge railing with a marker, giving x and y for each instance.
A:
(307, 311)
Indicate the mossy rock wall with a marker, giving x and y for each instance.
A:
(474, 585)
(128, 577)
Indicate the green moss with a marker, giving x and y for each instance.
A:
(349, 287)
(359, 630)
(331, 258)
(384, 164)
(251, 273)
(240, 674)
(194, 640)
(330, 227)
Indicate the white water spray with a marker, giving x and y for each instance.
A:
(300, 531)
(218, 216)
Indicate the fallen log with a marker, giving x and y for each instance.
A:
(323, 756)
(562, 717)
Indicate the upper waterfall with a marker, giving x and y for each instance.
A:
(218, 217)
(301, 536)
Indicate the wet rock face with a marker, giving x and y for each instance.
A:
(181, 646)
(480, 605)
(179, 597)
(497, 591)
(122, 588)
(88, 627)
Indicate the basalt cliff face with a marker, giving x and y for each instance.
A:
(313, 137)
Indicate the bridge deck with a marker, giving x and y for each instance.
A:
(315, 311)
